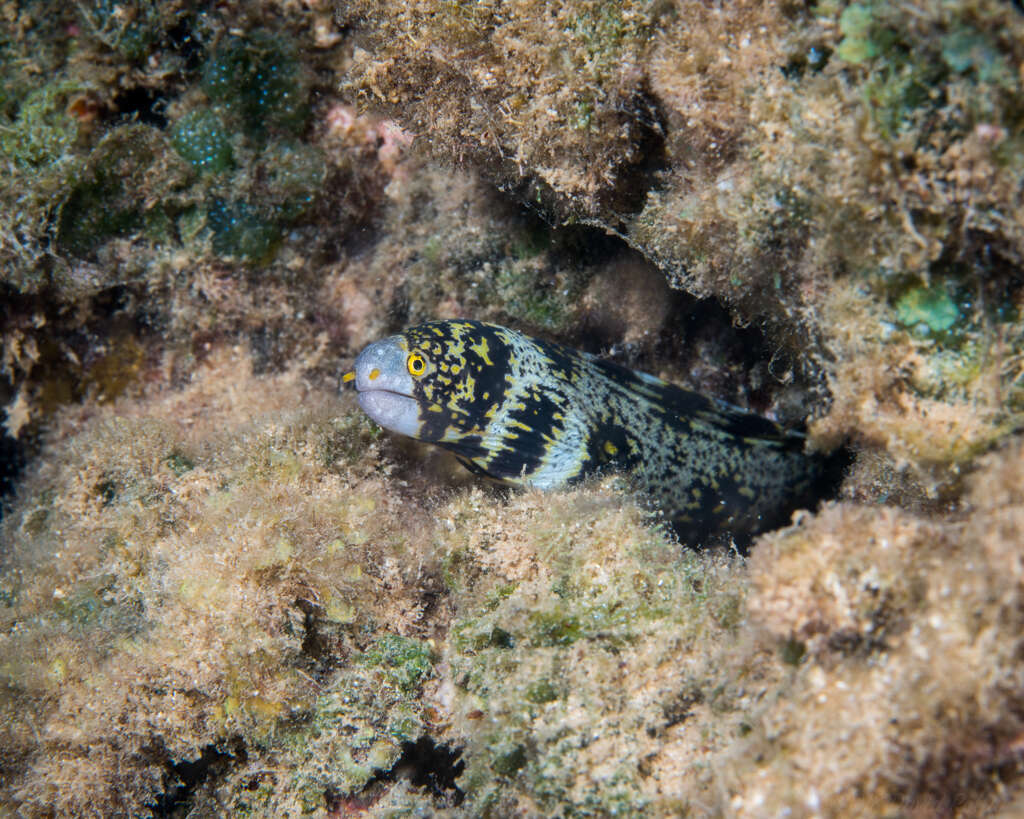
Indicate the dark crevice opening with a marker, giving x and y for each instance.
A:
(12, 463)
(145, 105)
(433, 767)
(183, 778)
(183, 41)
(647, 120)
(423, 764)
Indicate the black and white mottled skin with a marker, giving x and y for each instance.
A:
(532, 413)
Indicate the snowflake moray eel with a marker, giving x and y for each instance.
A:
(532, 413)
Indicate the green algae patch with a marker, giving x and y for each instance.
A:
(132, 29)
(855, 24)
(44, 131)
(404, 662)
(240, 229)
(294, 174)
(259, 80)
(113, 197)
(930, 308)
(179, 463)
(290, 177)
(969, 49)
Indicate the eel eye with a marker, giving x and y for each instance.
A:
(417, 364)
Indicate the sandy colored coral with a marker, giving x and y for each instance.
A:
(909, 695)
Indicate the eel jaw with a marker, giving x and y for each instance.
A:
(392, 410)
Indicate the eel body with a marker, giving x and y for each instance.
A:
(531, 413)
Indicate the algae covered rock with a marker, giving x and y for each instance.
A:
(153, 161)
(908, 692)
(201, 577)
(215, 599)
(586, 658)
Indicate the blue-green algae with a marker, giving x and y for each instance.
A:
(202, 139)
(259, 80)
(241, 229)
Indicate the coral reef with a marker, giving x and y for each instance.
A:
(224, 592)
(156, 156)
(221, 578)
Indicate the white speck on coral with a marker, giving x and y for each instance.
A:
(817, 678)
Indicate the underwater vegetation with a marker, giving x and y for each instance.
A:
(153, 161)
(276, 659)
(223, 591)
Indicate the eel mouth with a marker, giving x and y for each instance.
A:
(349, 377)
(367, 391)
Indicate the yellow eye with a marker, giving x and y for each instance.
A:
(417, 364)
